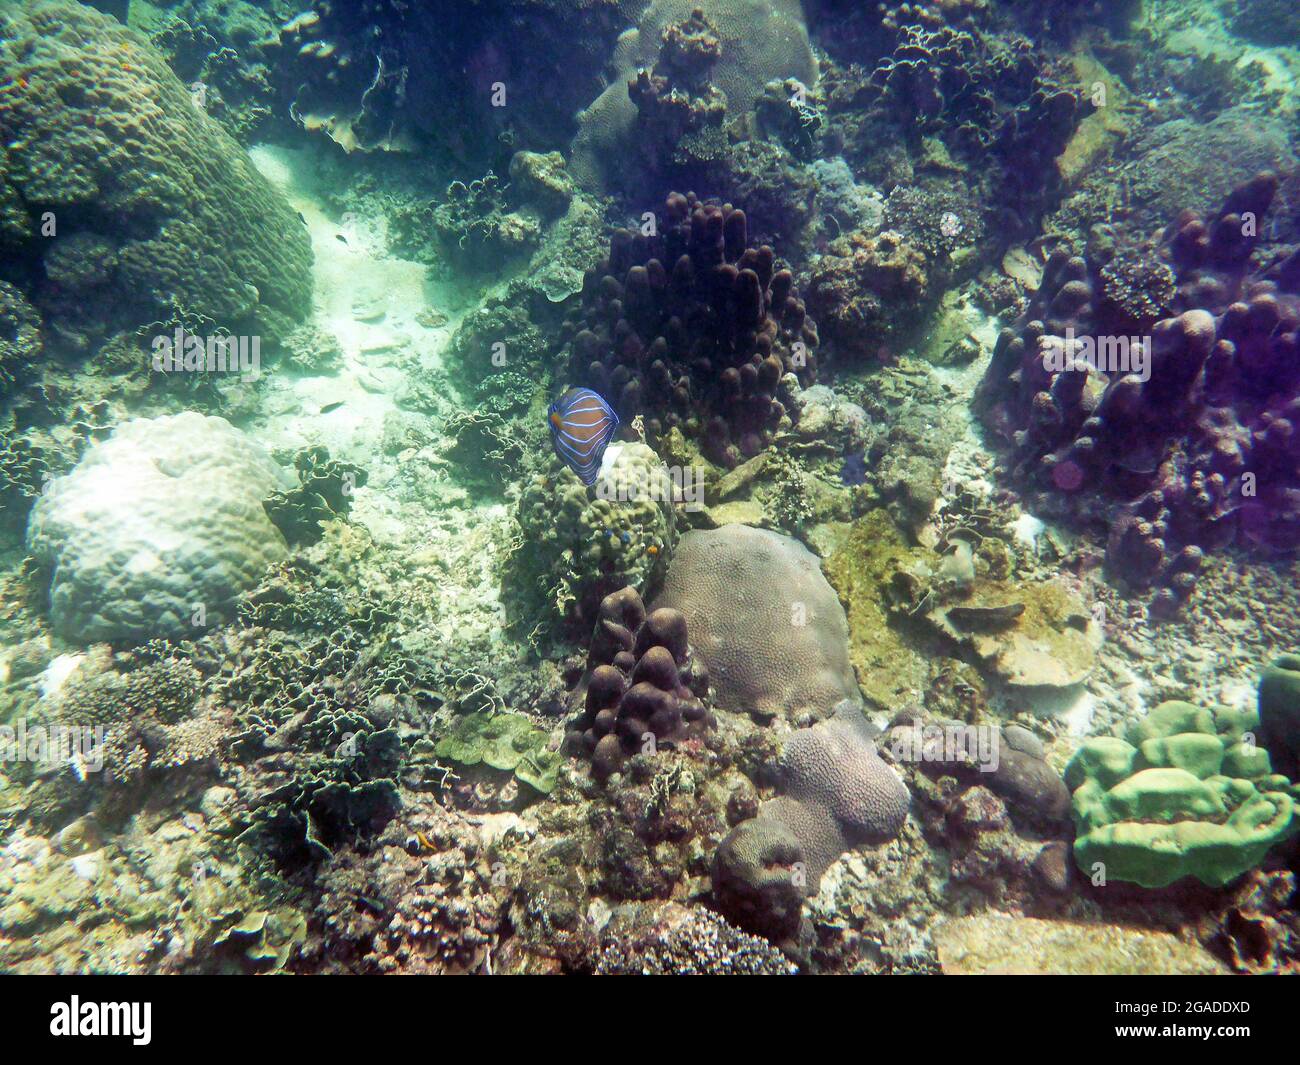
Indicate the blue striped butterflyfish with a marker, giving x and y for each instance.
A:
(582, 425)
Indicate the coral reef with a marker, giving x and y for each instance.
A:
(583, 543)
(157, 530)
(836, 794)
(722, 54)
(691, 328)
(1187, 792)
(324, 493)
(1181, 440)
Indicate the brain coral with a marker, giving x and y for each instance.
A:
(1187, 792)
(760, 41)
(764, 620)
(159, 520)
(838, 794)
(158, 213)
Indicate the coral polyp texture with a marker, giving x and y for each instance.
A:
(157, 531)
(764, 620)
(837, 793)
(138, 208)
(690, 327)
(1180, 433)
(1186, 793)
(582, 543)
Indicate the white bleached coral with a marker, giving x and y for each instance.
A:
(157, 530)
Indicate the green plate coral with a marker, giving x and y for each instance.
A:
(509, 742)
(1186, 793)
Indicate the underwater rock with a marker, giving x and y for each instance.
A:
(1009, 761)
(1187, 792)
(540, 178)
(869, 290)
(644, 686)
(764, 621)
(1031, 635)
(160, 216)
(998, 943)
(157, 530)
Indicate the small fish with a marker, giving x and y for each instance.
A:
(854, 470)
(340, 236)
(582, 425)
(331, 406)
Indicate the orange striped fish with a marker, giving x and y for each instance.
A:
(582, 425)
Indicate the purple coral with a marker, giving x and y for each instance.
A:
(642, 680)
(1190, 451)
(693, 329)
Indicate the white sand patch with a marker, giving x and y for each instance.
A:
(369, 302)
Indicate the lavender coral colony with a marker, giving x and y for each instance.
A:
(655, 486)
(1160, 395)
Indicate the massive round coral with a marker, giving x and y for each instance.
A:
(139, 208)
(157, 530)
(764, 620)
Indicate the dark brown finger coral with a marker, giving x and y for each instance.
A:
(688, 326)
(643, 686)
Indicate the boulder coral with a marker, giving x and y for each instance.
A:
(765, 622)
(837, 793)
(134, 199)
(157, 530)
